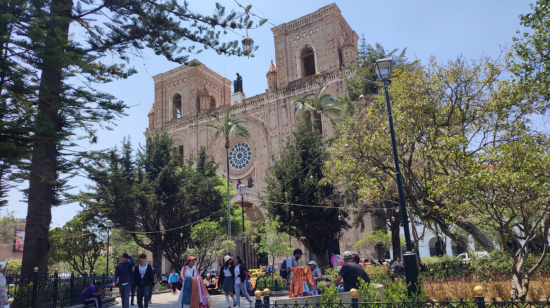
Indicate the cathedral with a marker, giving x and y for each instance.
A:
(311, 51)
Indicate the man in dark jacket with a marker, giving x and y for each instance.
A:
(143, 281)
(123, 272)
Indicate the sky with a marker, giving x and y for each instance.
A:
(444, 29)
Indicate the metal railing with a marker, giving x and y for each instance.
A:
(51, 290)
(263, 301)
(271, 283)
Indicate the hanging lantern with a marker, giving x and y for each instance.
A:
(248, 45)
(347, 146)
(286, 196)
(311, 179)
(393, 218)
(181, 235)
(162, 237)
(292, 213)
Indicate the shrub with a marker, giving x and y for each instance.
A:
(498, 266)
(378, 274)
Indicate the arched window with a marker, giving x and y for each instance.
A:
(307, 57)
(212, 102)
(180, 149)
(176, 106)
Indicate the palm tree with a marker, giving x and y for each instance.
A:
(229, 127)
(321, 104)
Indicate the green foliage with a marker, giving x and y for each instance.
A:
(14, 266)
(499, 264)
(153, 193)
(437, 260)
(7, 228)
(297, 174)
(53, 56)
(320, 103)
(367, 291)
(208, 243)
(396, 291)
(80, 242)
(433, 139)
(531, 47)
(269, 240)
(364, 80)
(378, 274)
(328, 295)
(378, 237)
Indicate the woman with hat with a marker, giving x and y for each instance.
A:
(227, 279)
(193, 293)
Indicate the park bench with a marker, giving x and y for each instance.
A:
(107, 302)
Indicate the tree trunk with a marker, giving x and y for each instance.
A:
(395, 238)
(157, 260)
(474, 231)
(43, 168)
(228, 194)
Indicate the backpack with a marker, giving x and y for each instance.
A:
(283, 272)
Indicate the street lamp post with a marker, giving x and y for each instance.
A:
(109, 224)
(383, 71)
(242, 189)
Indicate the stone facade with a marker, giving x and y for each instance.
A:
(311, 51)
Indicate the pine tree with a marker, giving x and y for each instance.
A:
(296, 179)
(155, 195)
(63, 69)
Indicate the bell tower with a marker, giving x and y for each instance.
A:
(312, 44)
(271, 78)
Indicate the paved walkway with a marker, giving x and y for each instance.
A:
(167, 300)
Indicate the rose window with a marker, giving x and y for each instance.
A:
(239, 156)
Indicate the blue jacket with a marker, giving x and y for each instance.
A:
(123, 272)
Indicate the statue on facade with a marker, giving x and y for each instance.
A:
(238, 84)
(250, 182)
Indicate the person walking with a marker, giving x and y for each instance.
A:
(193, 293)
(227, 280)
(350, 273)
(240, 281)
(144, 281)
(173, 280)
(124, 274)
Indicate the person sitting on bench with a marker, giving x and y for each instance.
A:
(92, 294)
(210, 283)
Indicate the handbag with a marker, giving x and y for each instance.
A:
(209, 302)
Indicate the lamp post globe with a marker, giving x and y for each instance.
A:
(248, 45)
(242, 190)
(383, 72)
(383, 69)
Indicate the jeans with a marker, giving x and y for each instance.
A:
(133, 293)
(241, 288)
(143, 296)
(95, 300)
(174, 288)
(125, 295)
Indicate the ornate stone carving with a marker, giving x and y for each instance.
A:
(273, 118)
(284, 116)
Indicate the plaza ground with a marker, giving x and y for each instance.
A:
(167, 300)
